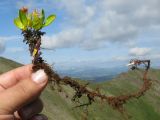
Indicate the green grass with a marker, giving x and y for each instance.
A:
(58, 107)
(6, 65)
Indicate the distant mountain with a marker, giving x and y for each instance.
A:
(58, 107)
(96, 74)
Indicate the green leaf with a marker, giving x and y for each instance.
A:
(49, 20)
(42, 16)
(29, 18)
(29, 23)
(37, 24)
(18, 23)
(39, 21)
(23, 18)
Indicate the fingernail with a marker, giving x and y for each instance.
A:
(39, 76)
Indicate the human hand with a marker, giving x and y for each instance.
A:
(19, 92)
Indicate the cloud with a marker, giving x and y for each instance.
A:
(139, 51)
(98, 23)
(120, 58)
(4, 39)
(2, 43)
(7, 38)
(78, 11)
(104, 22)
(64, 39)
(15, 49)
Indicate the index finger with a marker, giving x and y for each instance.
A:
(10, 78)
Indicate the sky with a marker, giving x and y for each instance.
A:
(88, 33)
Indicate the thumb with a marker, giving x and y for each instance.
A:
(22, 93)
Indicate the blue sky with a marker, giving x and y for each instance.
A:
(102, 33)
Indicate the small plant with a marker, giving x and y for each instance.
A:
(35, 20)
(31, 25)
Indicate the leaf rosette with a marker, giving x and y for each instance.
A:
(35, 20)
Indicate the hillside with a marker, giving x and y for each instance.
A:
(58, 107)
(6, 64)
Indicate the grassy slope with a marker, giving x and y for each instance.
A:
(58, 107)
(6, 64)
